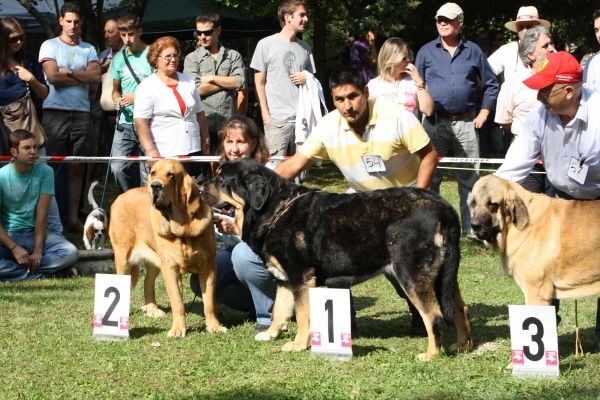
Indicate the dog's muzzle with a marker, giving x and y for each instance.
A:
(157, 193)
(484, 229)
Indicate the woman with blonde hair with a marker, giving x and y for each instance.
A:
(398, 79)
(168, 113)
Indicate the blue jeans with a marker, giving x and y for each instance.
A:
(253, 275)
(128, 174)
(58, 254)
(229, 290)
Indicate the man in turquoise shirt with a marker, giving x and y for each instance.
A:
(125, 83)
(27, 249)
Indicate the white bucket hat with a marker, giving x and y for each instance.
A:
(527, 14)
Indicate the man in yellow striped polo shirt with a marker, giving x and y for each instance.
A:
(375, 145)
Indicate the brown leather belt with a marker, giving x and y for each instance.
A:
(454, 117)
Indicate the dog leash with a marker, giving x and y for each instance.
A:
(285, 208)
(191, 305)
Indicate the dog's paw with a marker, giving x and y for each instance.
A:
(425, 357)
(216, 329)
(293, 346)
(176, 333)
(264, 336)
(151, 310)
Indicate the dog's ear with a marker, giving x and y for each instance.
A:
(517, 210)
(259, 191)
(89, 233)
(190, 195)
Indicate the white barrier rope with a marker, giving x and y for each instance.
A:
(100, 160)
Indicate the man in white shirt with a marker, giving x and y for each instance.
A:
(591, 74)
(564, 131)
(506, 59)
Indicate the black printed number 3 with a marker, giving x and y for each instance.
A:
(537, 339)
(111, 308)
(329, 310)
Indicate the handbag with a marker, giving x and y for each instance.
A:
(106, 101)
(22, 115)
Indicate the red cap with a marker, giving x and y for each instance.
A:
(560, 67)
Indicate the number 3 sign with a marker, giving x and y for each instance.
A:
(111, 306)
(330, 333)
(534, 340)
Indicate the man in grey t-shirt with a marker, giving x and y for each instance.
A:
(278, 62)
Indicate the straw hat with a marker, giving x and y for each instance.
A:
(527, 14)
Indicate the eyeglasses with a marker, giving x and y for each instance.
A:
(207, 32)
(547, 94)
(29, 148)
(16, 39)
(169, 57)
(405, 57)
(521, 27)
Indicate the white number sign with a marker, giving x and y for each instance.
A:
(534, 340)
(330, 333)
(111, 306)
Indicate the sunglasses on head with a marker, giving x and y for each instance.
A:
(207, 32)
(16, 39)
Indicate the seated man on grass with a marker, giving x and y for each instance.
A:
(27, 249)
(376, 145)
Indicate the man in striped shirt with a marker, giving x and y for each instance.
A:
(376, 145)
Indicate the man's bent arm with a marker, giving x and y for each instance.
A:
(429, 159)
(41, 222)
(294, 166)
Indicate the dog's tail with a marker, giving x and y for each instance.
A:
(448, 242)
(91, 195)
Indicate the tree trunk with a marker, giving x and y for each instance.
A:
(38, 16)
(138, 7)
(320, 38)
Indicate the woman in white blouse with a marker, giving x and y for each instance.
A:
(398, 80)
(168, 113)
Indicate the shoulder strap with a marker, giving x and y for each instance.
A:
(129, 66)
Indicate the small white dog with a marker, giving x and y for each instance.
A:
(96, 224)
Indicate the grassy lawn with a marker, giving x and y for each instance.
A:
(47, 350)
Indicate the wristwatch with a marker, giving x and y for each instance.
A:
(70, 72)
(421, 85)
(207, 142)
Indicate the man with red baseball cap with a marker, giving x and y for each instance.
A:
(564, 132)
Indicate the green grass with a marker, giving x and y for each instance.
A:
(47, 350)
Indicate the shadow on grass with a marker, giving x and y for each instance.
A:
(137, 333)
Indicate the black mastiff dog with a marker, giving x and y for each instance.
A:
(310, 238)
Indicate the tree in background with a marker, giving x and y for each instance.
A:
(93, 15)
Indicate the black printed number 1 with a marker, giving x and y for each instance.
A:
(111, 308)
(329, 309)
(537, 339)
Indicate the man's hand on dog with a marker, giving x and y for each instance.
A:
(225, 225)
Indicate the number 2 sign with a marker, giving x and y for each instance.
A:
(111, 306)
(330, 333)
(534, 340)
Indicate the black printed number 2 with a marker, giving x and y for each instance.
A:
(329, 310)
(537, 339)
(105, 320)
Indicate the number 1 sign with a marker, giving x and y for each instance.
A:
(330, 333)
(534, 340)
(111, 306)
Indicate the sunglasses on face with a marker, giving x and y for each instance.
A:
(206, 33)
(16, 39)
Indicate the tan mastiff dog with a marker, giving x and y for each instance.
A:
(550, 247)
(167, 228)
